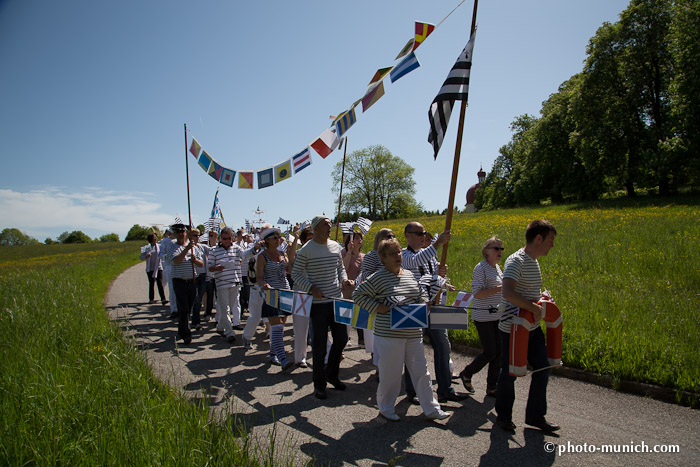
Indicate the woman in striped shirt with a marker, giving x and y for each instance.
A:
(394, 285)
(486, 287)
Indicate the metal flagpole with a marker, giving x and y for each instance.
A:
(455, 165)
(340, 197)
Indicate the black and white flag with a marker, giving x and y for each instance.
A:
(455, 88)
(364, 224)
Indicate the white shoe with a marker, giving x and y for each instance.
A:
(392, 417)
(438, 415)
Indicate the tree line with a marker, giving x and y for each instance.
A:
(13, 237)
(629, 121)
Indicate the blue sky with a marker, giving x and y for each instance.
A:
(95, 94)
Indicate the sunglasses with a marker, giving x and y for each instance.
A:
(498, 248)
(420, 234)
(226, 238)
(195, 235)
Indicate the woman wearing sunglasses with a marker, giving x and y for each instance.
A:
(486, 289)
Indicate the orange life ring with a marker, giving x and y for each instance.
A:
(520, 335)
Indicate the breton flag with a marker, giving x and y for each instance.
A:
(245, 180)
(346, 227)
(247, 225)
(406, 66)
(326, 143)
(302, 160)
(283, 171)
(423, 30)
(195, 148)
(282, 221)
(364, 224)
(344, 123)
(455, 87)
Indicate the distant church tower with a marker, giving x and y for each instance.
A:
(472, 189)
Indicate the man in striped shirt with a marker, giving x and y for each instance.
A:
(421, 261)
(318, 270)
(522, 282)
(185, 258)
(225, 262)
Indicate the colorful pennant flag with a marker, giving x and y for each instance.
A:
(286, 301)
(343, 311)
(272, 297)
(455, 87)
(448, 317)
(406, 66)
(423, 30)
(345, 121)
(326, 143)
(245, 180)
(302, 303)
(463, 299)
(409, 316)
(227, 176)
(283, 171)
(195, 147)
(301, 160)
(406, 48)
(362, 318)
(380, 75)
(215, 170)
(204, 161)
(265, 178)
(373, 95)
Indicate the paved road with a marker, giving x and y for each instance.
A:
(345, 429)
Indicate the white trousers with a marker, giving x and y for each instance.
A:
(227, 302)
(393, 354)
(301, 334)
(254, 312)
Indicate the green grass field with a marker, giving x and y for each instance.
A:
(624, 273)
(73, 391)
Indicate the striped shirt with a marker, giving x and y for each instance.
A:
(384, 288)
(370, 264)
(320, 265)
(526, 272)
(184, 269)
(421, 262)
(275, 272)
(486, 276)
(230, 259)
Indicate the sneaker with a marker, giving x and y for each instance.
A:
(247, 343)
(303, 365)
(274, 360)
(392, 417)
(438, 415)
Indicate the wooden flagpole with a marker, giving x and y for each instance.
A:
(458, 150)
(340, 196)
(189, 209)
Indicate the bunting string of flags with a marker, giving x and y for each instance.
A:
(330, 138)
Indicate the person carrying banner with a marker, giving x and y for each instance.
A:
(185, 259)
(210, 284)
(200, 282)
(271, 273)
(226, 266)
(423, 261)
(244, 296)
(522, 282)
(154, 268)
(319, 270)
(486, 290)
(394, 285)
(300, 322)
(167, 245)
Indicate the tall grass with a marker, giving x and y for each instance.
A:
(72, 391)
(625, 275)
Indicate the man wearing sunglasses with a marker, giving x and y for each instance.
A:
(421, 261)
(225, 262)
(185, 258)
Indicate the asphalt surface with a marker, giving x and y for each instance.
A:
(345, 429)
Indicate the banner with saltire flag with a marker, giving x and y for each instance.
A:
(362, 318)
(409, 316)
(215, 209)
(463, 299)
(265, 178)
(448, 317)
(423, 30)
(380, 75)
(245, 180)
(286, 301)
(195, 147)
(406, 48)
(204, 161)
(364, 224)
(302, 303)
(283, 171)
(272, 297)
(326, 143)
(373, 95)
(215, 170)
(455, 87)
(343, 311)
(345, 121)
(406, 66)
(301, 160)
(227, 176)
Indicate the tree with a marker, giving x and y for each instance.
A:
(77, 236)
(110, 237)
(376, 182)
(12, 237)
(138, 232)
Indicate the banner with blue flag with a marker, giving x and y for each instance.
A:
(448, 317)
(286, 301)
(343, 311)
(406, 66)
(409, 316)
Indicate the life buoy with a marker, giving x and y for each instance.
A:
(520, 336)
